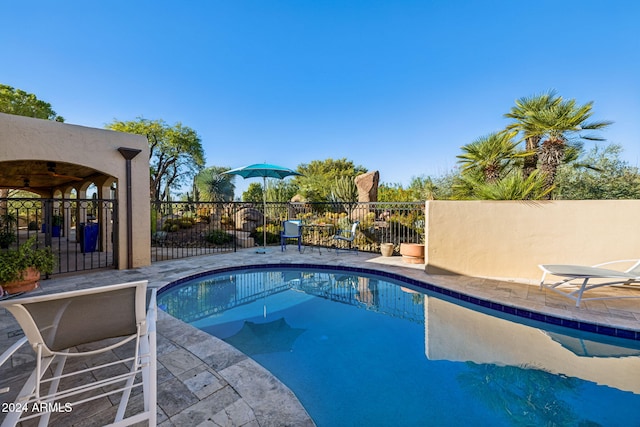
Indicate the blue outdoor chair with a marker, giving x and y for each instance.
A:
(292, 229)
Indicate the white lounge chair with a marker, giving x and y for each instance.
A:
(106, 318)
(586, 273)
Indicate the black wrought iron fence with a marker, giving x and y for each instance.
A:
(184, 229)
(80, 232)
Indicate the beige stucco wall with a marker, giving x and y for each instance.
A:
(24, 138)
(508, 239)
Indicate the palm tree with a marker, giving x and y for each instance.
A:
(214, 186)
(514, 186)
(523, 112)
(550, 127)
(491, 155)
(562, 124)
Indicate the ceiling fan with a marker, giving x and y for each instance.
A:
(26, 184)
(51, 171)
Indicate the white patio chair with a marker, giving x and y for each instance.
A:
(347, 236)
(586, 273)
(107, 317)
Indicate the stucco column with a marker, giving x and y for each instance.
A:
(128, 154)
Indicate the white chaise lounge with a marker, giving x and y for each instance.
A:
(586, 273)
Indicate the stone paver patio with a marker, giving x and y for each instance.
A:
(204, 381)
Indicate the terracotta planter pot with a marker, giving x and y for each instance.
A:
(28, 282)
(412, 253)
(386, 249)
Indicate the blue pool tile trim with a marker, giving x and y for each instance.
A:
(514, 311)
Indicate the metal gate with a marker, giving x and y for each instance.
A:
(81, 232)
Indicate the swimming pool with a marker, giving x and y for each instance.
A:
(362, 349)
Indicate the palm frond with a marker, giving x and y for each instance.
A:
(514, 187)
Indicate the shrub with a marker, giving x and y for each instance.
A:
(14, 262)
(174, 224)
(186, 222)
(167, 225)
(218, 237)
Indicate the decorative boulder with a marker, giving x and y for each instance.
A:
(367, 184)
(248, 219)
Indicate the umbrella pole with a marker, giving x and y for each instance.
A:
(264, 215)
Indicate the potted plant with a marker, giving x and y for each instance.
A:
(386, 249)
(56, 225)
(20, 269)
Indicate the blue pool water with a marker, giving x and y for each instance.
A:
(359, 350)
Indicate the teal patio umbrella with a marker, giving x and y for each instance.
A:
(265, 171)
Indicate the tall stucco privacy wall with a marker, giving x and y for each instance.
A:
(508, 239)
(23, 138)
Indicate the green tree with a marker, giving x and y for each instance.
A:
(562, 125)
(553, 133)
(491, 169)
(319, 176)
(513, 186)
(523, 113)
(420, 188)
(609, 177)
(253, 193)
(21, 103)
(423, 188)
(393, 192)
(491, 156)
(175, 156)
(214, 186)
(280, 190)
(553, 130)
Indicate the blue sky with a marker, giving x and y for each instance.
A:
(395, 86)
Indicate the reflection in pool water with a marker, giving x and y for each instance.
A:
(363, 350)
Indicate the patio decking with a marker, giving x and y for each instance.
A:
(204, 381)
